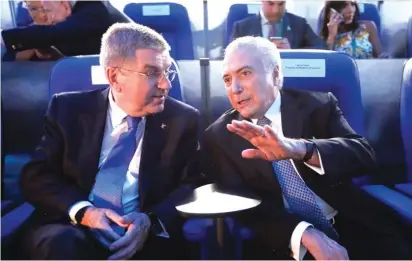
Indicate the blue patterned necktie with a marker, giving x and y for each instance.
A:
(108, 187)
(300, 198)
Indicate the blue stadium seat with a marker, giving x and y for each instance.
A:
(22, 17)
(410, 38)
(406, 125)
(236, 13)
(367, 12)
(84, 73)
(169, 19)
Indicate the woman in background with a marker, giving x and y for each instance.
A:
(343, 32)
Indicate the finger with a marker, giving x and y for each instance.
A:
(129, 218)
(271, 133)
(114, 217)
(252, 128)
(109, 233)
(239, 131)
(253, 154)
(122, 242)
(123, 254)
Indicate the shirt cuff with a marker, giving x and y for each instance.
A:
(296, 246)
(76, 207)
(320, 170)
(164, 232)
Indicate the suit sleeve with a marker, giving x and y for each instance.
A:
(87, 21)
(189, 171)
(273, 226)
(343, 151)
(42, 181)
(310, 39)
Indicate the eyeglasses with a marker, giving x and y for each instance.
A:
(156, 75)
(38, 10)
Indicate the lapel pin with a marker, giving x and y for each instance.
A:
(163, 126)
(289, 28)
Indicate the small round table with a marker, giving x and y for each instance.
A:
(209, 201)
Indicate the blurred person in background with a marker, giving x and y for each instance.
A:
(286, 30)
(343, 32)
(73, 28)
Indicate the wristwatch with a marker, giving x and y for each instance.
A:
(155, 227)
(310, 149)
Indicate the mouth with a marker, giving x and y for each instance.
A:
(243, 103)
(159, 97)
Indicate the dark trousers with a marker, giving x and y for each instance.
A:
(65, 241)
(362, 243)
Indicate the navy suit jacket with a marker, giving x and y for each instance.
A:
(79, 34)
(300, 35)
(65, 163)
(344, 155)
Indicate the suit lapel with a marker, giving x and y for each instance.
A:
(153, 144)
(287, 30)
(256, 26)
(93, 126)
(292, 116)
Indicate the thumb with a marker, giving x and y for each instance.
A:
(129, 218)
(116, 218)
(253, 154)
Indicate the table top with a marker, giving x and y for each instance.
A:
(208, 201)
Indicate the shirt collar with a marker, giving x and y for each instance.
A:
(274, 109)
(116, 114)
(263, 18)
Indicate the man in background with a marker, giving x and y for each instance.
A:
(286, 30)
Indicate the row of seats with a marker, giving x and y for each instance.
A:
(173, 22)
(340, 76)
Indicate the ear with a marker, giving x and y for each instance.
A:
(111, 76)
(66, 5)
(276, 80)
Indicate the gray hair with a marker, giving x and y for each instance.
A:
(121, 41)
(265, 50)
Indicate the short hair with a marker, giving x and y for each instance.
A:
(267, 52)
(121, 41)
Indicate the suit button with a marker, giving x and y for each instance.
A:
(14, 47)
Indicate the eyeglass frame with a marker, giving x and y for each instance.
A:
(164, 74)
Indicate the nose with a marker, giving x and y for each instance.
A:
(164, 84)
(236, 87)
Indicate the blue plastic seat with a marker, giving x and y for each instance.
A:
(236, 13)
(169, 19)
(406, 125)
(410, 38)
(82, 73)
(367, 12)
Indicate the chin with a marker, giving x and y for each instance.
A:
(157, 108)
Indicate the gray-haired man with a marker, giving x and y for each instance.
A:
(113, 162)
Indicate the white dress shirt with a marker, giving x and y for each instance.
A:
(299, 251)
(115, 126)
(265, 25)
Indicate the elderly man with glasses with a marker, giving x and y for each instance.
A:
(113, 162)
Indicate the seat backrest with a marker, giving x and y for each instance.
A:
(169, 19)
(367, 12)
(406, 116)
(238, 12)
(409, 47)
(22, 17)
(80, 73)
(327, 71)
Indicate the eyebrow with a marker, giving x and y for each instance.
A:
(238, 70)
(154, 67)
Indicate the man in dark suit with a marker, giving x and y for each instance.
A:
(75, 31)
(286, 30)
(113, 163)
(295, 151)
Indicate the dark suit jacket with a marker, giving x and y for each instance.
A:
(344, 155)
(79, 34)
(65, 164)
(300, 35)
